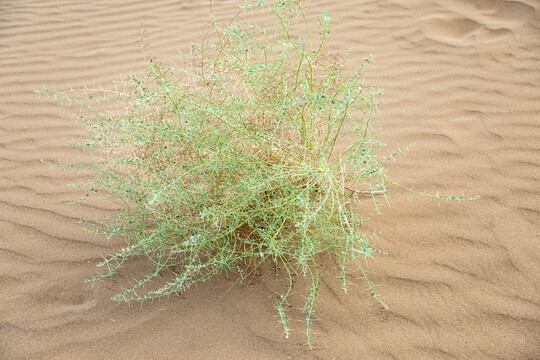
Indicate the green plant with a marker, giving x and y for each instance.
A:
(254, 150)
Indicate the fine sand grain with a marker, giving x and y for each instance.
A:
(461, 80)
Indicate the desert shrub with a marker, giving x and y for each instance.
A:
(252, 151)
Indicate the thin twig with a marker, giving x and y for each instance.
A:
(364, 191)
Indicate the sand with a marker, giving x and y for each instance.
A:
(461, 80)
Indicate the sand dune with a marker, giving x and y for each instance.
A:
(461, 80)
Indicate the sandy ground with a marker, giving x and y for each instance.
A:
(461, 80)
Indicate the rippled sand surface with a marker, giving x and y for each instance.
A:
(461, 80)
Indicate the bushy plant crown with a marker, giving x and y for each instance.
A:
(252, 151)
